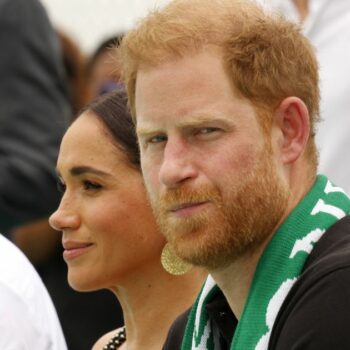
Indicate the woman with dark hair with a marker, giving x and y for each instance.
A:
(110, 237)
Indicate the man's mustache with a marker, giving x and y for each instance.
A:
(178, 198)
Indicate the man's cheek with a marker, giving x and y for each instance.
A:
(150, 174)
(151, 188)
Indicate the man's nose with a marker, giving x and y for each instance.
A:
(178, 163)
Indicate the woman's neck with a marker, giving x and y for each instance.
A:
(152, 300)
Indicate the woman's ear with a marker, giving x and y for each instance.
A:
(293, 121)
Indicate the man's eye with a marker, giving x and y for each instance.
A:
(208, 130)
(61, 186)
(88, 185)
(157, 139)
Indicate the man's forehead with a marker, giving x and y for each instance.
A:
(184, 93)
(173, 65)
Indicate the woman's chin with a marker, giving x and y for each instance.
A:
(81, 284)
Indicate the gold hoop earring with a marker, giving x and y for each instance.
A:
(172, 263)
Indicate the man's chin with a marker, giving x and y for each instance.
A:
(209, 249)
(190, 247)
(181, 238)
(197, 258)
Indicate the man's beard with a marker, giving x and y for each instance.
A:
(235, 223)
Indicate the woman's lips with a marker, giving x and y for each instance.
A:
(73, 249)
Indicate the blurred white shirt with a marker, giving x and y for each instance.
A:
(28, 319)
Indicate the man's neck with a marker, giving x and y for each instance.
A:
(235, 279)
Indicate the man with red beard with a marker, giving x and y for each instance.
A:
(225, 100)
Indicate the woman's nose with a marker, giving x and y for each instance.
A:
(63, 219)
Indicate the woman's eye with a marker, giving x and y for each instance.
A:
(61, 186)
(88, 185)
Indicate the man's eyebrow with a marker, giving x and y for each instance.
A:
(191, 122)
(146, 131)
(198, 121)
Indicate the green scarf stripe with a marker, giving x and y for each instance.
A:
(278, 269)
(270, 273)
(194, 337)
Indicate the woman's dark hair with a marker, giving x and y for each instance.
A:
(112, 110)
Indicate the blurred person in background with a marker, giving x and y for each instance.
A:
(37, 239)
(84, 317)
(28, 319)
(109, 234)
(34, 112)
(327, 25)
(74, 62)
(102, 71)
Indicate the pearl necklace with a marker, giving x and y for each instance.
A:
(116, 341)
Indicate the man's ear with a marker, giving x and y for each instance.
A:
(293, 121)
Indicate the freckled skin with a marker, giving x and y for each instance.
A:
(196, 134)
(115, 217)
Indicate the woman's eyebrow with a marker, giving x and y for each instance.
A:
(80, 170)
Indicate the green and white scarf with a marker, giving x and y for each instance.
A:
(278, 269)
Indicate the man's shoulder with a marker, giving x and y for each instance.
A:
(330, 255)
(332, 250)
(315, 313)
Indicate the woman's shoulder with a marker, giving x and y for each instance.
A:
(104, 340)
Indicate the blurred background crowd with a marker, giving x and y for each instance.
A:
(56, 57)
